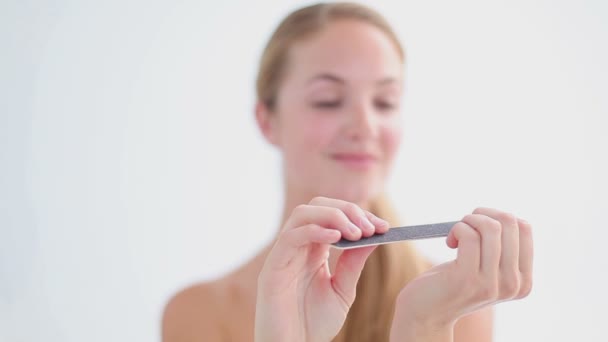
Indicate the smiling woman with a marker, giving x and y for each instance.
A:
(331, 105)
(329, 99)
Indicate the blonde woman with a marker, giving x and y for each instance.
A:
(329, 93)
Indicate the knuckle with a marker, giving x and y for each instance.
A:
(351, 208)
(316, 200)
(469, 217)
(299, 208)
(287, 235)
(525, 290)
(491, 293)
(310, 226)
(473, 235)
(470, 285)
(464, 229)
(510, 286)
(490, 225)
(285, 238)
(494, 226)
(337, 215)
(460, 226)
(486, 292)
(485, 224)
(479, 210)
(507, 218)
(525, 230)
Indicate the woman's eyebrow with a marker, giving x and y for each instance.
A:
(337, 79)
(328, 77)
(387, 80)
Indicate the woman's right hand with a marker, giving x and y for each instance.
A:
(297, 298)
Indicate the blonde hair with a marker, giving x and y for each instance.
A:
(304, 23)
(391, 266)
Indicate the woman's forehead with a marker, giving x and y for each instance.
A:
(353, 51)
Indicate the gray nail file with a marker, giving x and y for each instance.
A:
(424, 231)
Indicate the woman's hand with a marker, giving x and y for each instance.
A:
(298, 299)
(494, 264)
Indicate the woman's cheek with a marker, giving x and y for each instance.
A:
(320, 131)
(391, 140)
(307, 141)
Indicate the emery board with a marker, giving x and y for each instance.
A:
(396, 234)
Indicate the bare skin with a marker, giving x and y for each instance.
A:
(337, 126)
(224, 309)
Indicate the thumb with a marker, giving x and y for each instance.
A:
(348, 270)
(452, 240)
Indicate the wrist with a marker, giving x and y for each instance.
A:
(408, 327)
(412, 332)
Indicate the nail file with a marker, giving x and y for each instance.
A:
(396, 234)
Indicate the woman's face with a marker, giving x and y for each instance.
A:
(337, 119)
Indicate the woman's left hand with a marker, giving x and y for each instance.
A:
(494, 264)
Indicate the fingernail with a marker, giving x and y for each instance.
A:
(379, 221)
(367, 224)
(353, 228)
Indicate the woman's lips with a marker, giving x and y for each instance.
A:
(357, 161)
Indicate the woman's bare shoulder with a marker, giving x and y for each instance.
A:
(215, 310)
(193, 314)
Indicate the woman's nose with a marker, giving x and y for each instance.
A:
(361, 122)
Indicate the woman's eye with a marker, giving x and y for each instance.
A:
(327, 104)
(384, 105)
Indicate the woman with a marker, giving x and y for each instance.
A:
(329, 92)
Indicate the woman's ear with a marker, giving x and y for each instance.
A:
(267, 123)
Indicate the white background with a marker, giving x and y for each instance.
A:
(131, 166)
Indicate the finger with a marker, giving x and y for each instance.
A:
(324, 216)
(289, 242)
(526, 256)
(467, 239)
(490, 234)
(310, 233)
(354, 213)
(509, 275)
(509, 260)
(348, 270)
(382, 226)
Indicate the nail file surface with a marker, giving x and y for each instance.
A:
(424, 231)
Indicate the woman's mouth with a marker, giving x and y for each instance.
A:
(355, 161)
